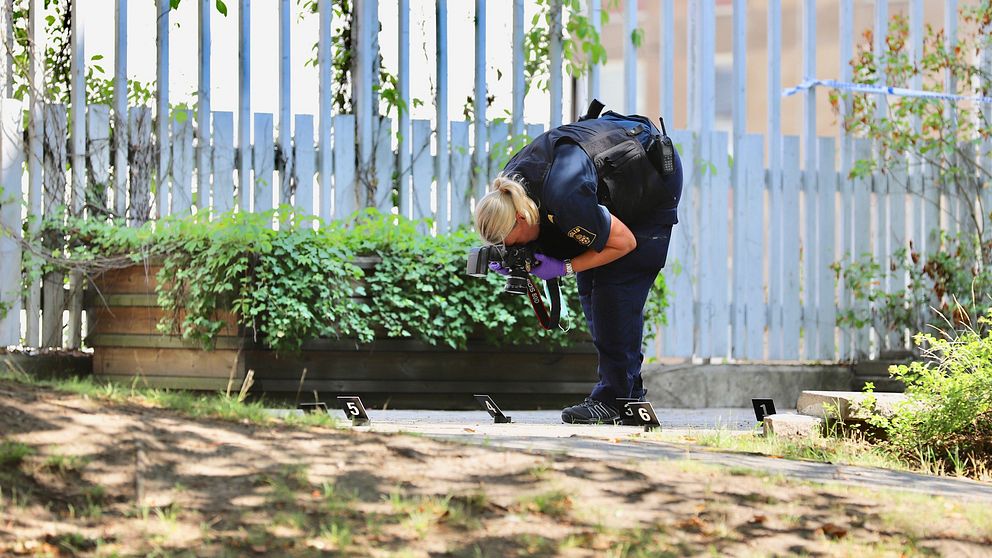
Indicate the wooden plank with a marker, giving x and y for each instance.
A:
(121, 141)
(846, 34)
(92, 298)
(755, 307)
(809, 181)
(170, 382)
(325, 64)
(880, 187)
(519, 86)
(98, 137)
(7, 38)
(11, 173)
(680, 269)
(825, 250)
(53, 292)
(365, 25)
(791, 264)
(244, 152)
(443, 159)
(77, 137)
(263, 163)
(304, 158)
(128, 280)
(423, 165)
(461, 168)
(162, 106)
(898, 239)
(37, 43)
(404, 134)
(555, 55)
(141, 320)
(776, 237)
(385, 160)
(182, 162)
(862, 239)
(179, 363)
(534, 130)
(101, 340)
(201, 197)
(595, 17)
(140, 165)
(499, 143)
(739, 93)
(714, 290)
(345, 186)
(222, 162)
(666, 87)
(479, 103)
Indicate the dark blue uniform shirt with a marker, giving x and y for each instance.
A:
(572, 220)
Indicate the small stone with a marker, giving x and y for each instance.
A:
(791, 426)
(844, 405)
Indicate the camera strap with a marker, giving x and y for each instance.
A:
(546, 320)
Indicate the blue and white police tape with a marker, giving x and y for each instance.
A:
(882, 90)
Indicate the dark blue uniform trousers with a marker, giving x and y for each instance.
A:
(613, 298)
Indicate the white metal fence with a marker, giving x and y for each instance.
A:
(749, 265)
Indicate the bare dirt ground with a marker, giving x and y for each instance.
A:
(104, 479)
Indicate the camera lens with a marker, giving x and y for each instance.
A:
(516, 284)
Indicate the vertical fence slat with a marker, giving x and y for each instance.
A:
(534, 130)
(629, 58)
(595, 14)
(11, 161)
(667, 57)
(846, 34)
(499, 133)
(791, 303)
(809, 178)
(182, 162)
(140, 165)
(897, 235)
(365, 19)
(244, 152)
(284, 163)
(7, 34)
(303, 164)
(423, 165)
(443, 160)
(36, 131)
(862, 236)
(714, 275)
(98, 139)
(222, 161)
(919, 235)
(776, 237)
(120, 109)
(53, 300)
(162, 105)
(756, 310)
(404, 133)
(461, 172)
(77, 95)
(263, 163)
(519, 87)
(825, 255)
(384, 163)
(680, 269)
(202, 196)
(555, 53)
(325, 61)
(479, 106)
(880, 186)
(345, 191)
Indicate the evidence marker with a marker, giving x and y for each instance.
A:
(490, 406)
(762, 408)
(315, 407)
(353, 408)
(627, 417)
(644, 412)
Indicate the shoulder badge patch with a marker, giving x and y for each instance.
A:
(582, 236)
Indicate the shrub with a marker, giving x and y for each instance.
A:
(947, 416)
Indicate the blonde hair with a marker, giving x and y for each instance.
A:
(496, 212)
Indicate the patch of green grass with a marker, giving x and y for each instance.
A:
(336, 532)
(13, 453)
(420, 512)
(554, 503)
(847, 450)
(63, 464)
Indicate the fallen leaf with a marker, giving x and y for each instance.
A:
(469, 430)
(693, 524)
(833, 531)
(759, 519)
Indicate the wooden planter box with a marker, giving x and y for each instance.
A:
(122, 322)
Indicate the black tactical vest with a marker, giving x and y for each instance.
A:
(628, 183)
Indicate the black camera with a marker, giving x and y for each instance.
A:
(517, 259)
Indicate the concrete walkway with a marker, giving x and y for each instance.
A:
(543, 432)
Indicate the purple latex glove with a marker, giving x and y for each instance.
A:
(498, 268)
(548, 267)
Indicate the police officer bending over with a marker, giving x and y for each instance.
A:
(596, 199)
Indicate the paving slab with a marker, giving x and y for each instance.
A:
(791, 425)
(542, 432)
(817, 403)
